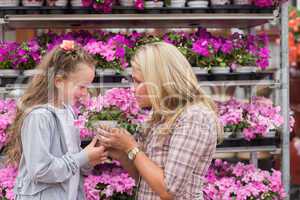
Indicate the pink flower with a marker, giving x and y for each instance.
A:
(68, 45)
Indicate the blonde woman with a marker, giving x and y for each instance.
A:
(173, 154)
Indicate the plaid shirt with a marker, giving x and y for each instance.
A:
(184, 155)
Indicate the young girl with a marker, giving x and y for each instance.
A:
(44, 141)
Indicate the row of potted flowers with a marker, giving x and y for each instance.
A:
(118, 106)
(210, 53)
(294, 37)
(224, 181)
(106, 5)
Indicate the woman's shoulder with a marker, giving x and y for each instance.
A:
(197, 111)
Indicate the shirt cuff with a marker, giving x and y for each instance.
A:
(81, 158)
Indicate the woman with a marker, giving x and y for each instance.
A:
(174, 152)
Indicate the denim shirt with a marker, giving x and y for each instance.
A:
(46, 166)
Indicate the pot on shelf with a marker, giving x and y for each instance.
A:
(9, 3)
(32, 3)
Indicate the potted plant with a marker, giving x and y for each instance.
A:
(258, 118)
(109, 181)
(110, 56)
(57, 3)
(9, 3)
(229, 181)
(175, 3)
(250, 52)
(28, 57)
(8, 176)
(8, 58)
(77, 3)
(219, 2)
(7, 115)
(117, 107)
(198, 4)
(242, 2)
(32, 3)
(153, 4)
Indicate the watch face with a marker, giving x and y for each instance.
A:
(130, 156)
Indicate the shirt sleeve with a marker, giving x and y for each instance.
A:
(41, 165)
(192, 144)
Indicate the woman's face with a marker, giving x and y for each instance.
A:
(140, 88)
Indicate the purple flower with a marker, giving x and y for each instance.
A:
(201, 47)
(227, 47)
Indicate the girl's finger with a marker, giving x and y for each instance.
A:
(94, 141)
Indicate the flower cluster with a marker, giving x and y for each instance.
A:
(19, 56)
(99, 5)
(8, 176)
(117, 104)
(226, 181)
(8, 55)
(7, 115)
(114, 50)
(294, 37)
(111, 182)
(254, 119)
(235, 50)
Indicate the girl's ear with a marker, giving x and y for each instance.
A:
(58, 81)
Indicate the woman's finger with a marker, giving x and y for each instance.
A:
(102, 132)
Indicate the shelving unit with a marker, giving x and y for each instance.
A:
(16, 18)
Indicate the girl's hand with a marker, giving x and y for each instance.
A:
(116, 138)
(96, 154)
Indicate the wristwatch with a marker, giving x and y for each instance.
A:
(132, 153)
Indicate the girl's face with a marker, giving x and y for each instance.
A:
(140, 88)
(75, 87)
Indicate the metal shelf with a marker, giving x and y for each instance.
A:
(269, 83)
(273, 149)
(170, 20)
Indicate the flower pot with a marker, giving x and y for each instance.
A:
(76, 3)
(224, 155)
(105, 72)
(241, 2)
(9, 3)
(31, 72)
(260, 155)
(177, 4)
(198, 4)
(245, 69)
(228, 135)
(108, 123)
(58, 3)
(200, 70)
(9, 73)
(219, 2)
(154, 4)
(127, 3)
(220, 70)
(32, 3)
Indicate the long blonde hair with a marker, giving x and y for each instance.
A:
(41, 90)
(171, 83)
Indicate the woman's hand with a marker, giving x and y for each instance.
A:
(116, 138)
(96, 154)
(116, 154)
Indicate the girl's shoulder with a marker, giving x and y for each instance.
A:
(40, 114)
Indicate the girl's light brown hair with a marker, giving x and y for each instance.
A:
(41, 90)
